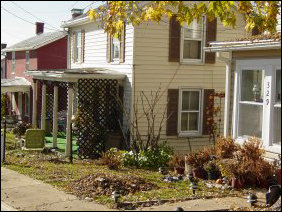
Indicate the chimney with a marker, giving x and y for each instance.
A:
(76, 12)
(3, 45)
(39, 28)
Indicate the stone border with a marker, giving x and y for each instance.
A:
(134, 205)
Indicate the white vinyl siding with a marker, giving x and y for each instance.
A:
(95, 55)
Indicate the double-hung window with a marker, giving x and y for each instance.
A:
(190, 115)
(193, 41)
(78, 47)
(13, 62)
(115, 49)
(27, 60)
(257, 102)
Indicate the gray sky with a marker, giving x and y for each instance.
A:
(14, 30)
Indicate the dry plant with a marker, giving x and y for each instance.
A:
(145, 107)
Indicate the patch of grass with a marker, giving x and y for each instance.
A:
(38, 166)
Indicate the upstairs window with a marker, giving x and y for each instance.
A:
(13, 62)
(193, 41)
(115, 49)
(27, 60)
(78, 46)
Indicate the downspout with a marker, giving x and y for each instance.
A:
(227, 89)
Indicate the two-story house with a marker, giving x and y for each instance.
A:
(43, 51)
(146, 57)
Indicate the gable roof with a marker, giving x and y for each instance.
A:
(36, 41)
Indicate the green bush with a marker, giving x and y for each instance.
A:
(153, 159)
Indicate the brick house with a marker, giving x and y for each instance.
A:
(43, 51)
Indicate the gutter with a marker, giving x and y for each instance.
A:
(66, 24)
(243, 46)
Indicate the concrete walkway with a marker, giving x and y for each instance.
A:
(23, 193)
(19, 192)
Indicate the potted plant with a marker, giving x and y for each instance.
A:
(230, 169)
(197, 160)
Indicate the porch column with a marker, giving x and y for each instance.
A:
(43, 106)
(69, 117)
(20, 105)
(227, 98)
(34, 104)
(55, 115)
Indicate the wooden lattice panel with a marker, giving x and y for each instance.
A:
(100, 114)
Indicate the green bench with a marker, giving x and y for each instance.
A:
(34, 139)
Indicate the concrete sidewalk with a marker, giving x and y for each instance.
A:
(23, 193)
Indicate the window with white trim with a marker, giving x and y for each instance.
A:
(115, 49)
(193, 41)
(190, 111)
(257, 102)
(27, 60)
(78, 47)
(13, 64)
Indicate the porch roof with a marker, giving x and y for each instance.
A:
(265, 41)
(15, 85)
(72, 75)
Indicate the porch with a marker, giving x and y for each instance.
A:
(17, 95)
(88, 95)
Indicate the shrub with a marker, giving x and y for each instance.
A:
(198, 158)
(177, 161)
(112, 158)
(247, 164)
(225, 147)
(151, 158)
(21, 128)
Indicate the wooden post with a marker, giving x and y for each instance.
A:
(34, 104)
(55, 115)
(43, 106)
(69, 117)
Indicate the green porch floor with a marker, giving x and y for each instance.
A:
(61, 144)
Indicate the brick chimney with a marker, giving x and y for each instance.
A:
(3, 45)
(76, 12)
(39, 28)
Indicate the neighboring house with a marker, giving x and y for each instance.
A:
(146, 57)
(43, 51)
(254, 89)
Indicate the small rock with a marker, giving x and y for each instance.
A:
(88, 199)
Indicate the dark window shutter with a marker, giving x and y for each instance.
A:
(174, 40)
(109, 38)
(211, 28)
(73, 47)
(122, 45)
(206, 115)
(172, 112)
(82, 45)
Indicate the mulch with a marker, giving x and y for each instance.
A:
(104, 184)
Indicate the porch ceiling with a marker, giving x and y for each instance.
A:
(15, 85)
(72, 75)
